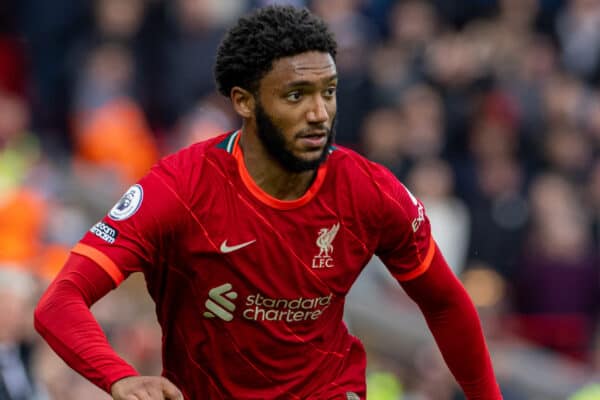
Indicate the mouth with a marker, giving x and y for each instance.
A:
(315, 139)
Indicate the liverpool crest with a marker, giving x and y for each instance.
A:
(324, 259)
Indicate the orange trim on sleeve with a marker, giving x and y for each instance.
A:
(424, 265)
(101, 259)
(265, 197)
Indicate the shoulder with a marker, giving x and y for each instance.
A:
(348, 164)
(194, 167)
(371, 183)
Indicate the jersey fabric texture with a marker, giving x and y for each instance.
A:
(249, 289)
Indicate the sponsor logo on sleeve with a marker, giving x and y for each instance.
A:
(416, 223)
(105, 232)
(128, 204)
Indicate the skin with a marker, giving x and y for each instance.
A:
(298, 95)
(145, 388)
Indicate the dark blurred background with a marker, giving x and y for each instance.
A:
(488, 110)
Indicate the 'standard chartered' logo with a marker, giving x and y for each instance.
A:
(128, 204)
(219, 302)
(326, 236)
(260, 308)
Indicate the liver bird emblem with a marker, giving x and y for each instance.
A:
(325, 238)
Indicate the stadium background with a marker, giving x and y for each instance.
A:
(488, 110)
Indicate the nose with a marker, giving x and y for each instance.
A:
(318, 112)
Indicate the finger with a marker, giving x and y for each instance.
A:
(127, 397)
(171, 392)
(155, 392)
(144, 395)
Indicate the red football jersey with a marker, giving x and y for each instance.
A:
(249, 289)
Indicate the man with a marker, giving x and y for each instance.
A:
(250, 241)
(16, 380)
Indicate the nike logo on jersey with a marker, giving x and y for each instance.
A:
(228, 249)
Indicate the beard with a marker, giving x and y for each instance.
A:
(275, 143)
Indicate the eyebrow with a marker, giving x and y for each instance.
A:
(300, 83)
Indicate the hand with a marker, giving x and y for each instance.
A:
(145, 388)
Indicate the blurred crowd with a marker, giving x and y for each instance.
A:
(488, 110)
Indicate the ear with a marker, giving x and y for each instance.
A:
(243, 102)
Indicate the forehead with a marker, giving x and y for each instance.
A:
(308, 67)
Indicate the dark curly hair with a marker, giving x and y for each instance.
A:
(249, 48)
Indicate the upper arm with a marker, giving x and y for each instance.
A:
(139, 229)
(80, 277)
(406, 246)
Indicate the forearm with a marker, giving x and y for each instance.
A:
(458, 335)
(455, 325)
(64, 320)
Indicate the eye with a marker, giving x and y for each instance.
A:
(294, 96)
(330, 91)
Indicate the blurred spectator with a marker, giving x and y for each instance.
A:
(195, 28)
(354, 34)
(22, 209)
(19, 150)
(16, 378)
(498, 211)
(492, 181)
(118, 19)
(389, 72)
(22, 218)
(455, 70)
(110, 127)
(524, 82)
(568, 151)
(518, 16)
(563, 100)
(578, 28)
(383, 139)
(412, 25)
(209, 117)
(49, 31)
(424, 117)
(557, 286)
(116, 22)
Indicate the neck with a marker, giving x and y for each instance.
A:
(268, 174)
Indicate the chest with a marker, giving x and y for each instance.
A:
(311, 251)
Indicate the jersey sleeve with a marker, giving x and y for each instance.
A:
(405, 244)
(135, 234)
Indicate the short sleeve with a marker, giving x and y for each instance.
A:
(136, 233)
(405, 245)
